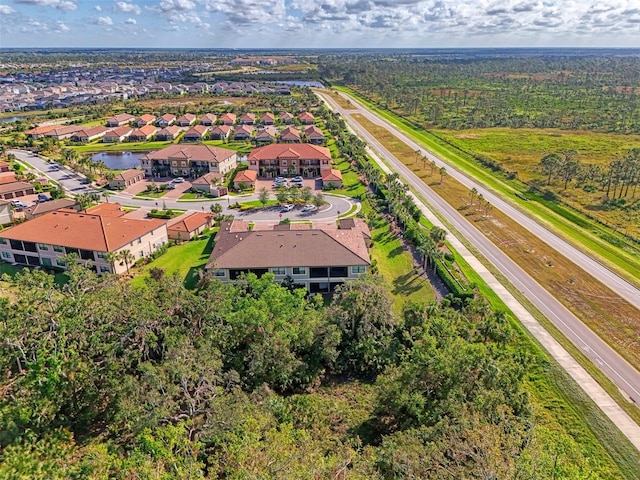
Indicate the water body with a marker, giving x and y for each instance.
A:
(302, 83)
(119, 160)
(11, 119)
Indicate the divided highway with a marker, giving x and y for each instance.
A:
(604, 357)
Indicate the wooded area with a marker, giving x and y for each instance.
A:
(105, 380)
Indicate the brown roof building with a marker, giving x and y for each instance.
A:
(45, 240)
(186, 228)
(188, 160)
(126, 178)
(315, 259)
(286, 159)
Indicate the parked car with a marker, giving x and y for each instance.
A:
(19, 204)
(287, 207)
(54, 166)
(178, 180)
(280, 179)
(279, 184)
(42, 198)
(309, 208)
(297, 179)
(171, 186)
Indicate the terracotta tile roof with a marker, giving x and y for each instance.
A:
(145, 131)
(291, 248)
(81, 230)
(332, 175)
(14, 187)
(221, 130)
(306, 116)
(208, 117)
(64, 130)
(171, 130)
(119, 132)
(168, 117)
(248, 117)
(286, 116)
(228, 118)
(246, 176)
(243, 130)
(313, 131)
(267, 116)
(128, 174)
(107, 210)
(201, 153)
(122, 117)
(198, 130)
(40, 130)
(187, 118)
(267, 133)
(147, 118)
(290, 133)
(7, 177)
(207, 179)
(304, 151)
(191, 222)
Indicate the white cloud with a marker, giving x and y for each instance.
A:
(61, 27)
(125, 7)
(170, 6)
(130, 21)
(57, 4)
(105, 21)
(6, 10)
(245, 12)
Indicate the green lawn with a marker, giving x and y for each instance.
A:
(184, 260)
(395, 265)
(146, 194)
(60, 278)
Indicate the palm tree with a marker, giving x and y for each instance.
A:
(473, 194)
(443, 173)
(106, 194)
(127, 257)
(438, 235)
(112, 258)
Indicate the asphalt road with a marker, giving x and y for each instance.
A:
(73, 184)
(625, 376)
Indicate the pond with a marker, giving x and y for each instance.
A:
(11, 119)
(303, 83)
(119, 160)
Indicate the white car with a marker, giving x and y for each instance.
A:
(309, 208)
(178, 180)
(287, 207)
(19, 204)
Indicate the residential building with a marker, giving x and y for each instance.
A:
(5, 212)
(286, 118)
(166, 120)
(332, 178)
(283, 159)
(318, 259)
(314, 135)
(4, 166)
(242, 132)
(306, 118)
(118, 134)
(228, 118)
(196, 133)
(145, 119)
(187, 120)
(15, 190)
(208, 183)
(45, 207)
(221, 132)
(247, 119)
(143, 134)
(208, 119)
(38, 132)
(290, 135)
(126, 178)
(89, 134)
(267, 134)
(246, 178)
(92, 236)
(169, 133)
(120, 120)
(63, 132)
(188, 160)
(187, 227)
(267, 118)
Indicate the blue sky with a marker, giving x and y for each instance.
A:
(319, 23)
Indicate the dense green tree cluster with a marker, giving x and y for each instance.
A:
(543, 91)
(101, 379)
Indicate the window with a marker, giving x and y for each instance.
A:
(139, 240)
(101, 255)
(42, 246)
(58, 248)
(3, 241)
(278, 270)
(358, 269)
(46, 261)
(104, 269)
(219, 273)
(141, 254)
(284, 163)
(174, 164)
(61, 262)
(6, 255)
(299, 270)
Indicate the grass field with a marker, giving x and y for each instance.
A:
(184, 260)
